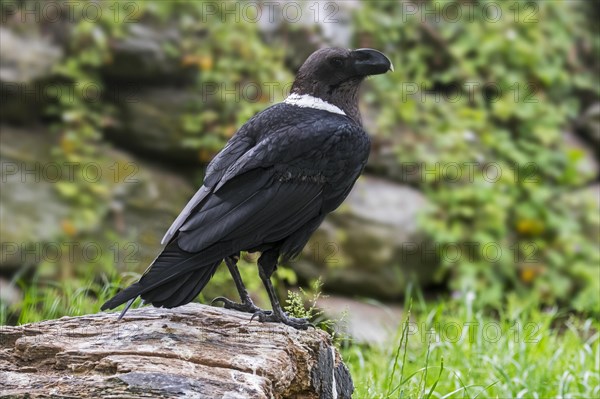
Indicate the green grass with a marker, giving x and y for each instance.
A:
(44, 300)
(443, 349)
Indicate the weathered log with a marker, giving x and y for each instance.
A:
(193, 351)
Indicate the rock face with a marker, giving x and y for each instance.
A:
(370, 245)
(192, 351)
(141, 57)
(140, 203)
(23, 222)
(150, 123)
(26, 58)
(369, 323)
(26, 61)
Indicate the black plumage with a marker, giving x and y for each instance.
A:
(270, 187)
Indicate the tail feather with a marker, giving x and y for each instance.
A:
(126, 308)
(173, 276)
(194, 290)
(165, 291)
(129, 293)
(188, 287)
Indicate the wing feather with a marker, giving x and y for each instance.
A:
(274, 210)
(214, 172)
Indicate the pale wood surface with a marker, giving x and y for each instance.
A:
(193, 351)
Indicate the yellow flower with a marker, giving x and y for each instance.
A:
(205, 63)
(68, 227)
(67, 145)
(530, 227)
(527, 275)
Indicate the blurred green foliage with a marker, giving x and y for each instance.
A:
(532, 58)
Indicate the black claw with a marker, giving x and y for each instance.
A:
(220, 299)
(264, 317)
(247, 307)
(254, 315)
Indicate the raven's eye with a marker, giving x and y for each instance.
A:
(337, 62)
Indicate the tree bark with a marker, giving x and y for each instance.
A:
(194, 351)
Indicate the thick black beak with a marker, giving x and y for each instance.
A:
(371, 62)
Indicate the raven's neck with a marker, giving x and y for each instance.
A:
(343, 96)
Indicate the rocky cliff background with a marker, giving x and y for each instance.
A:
(483, 178)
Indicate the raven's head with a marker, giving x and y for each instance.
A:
(334, 75)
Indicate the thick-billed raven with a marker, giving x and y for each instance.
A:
(270, 187)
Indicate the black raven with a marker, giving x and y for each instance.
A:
(270, 187)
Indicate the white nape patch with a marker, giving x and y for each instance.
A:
(334, 392)
(308, 101)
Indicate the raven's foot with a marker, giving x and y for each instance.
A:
(282, 317)
(246, 306)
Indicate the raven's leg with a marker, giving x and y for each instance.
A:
(277, 315)
(247, 305)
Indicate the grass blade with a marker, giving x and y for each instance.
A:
(438, 379)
